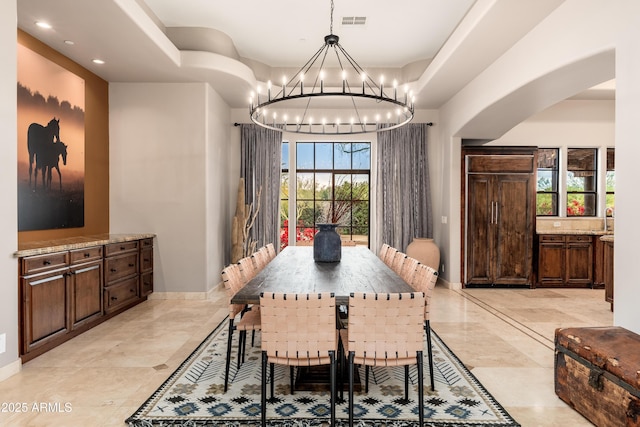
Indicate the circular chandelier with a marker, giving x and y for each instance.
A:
(316, 102)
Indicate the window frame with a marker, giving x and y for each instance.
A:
(292, 196)
(584, 192)
(555, 176)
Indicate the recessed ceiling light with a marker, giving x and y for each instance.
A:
(69, 42)
(98, 61)
(43, 24)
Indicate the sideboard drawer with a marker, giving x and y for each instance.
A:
(121, 294)
(38, 263)
(118, 248)
(118, 267)
(85, 254)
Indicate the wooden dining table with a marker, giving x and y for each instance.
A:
(295, 271)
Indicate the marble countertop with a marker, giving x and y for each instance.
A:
(79, 242)
(607, 238)
(575, 232)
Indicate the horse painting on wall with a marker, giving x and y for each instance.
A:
(50, 110)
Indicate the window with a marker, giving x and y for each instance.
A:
(581, 181)
(332, 185)
(610, 182)
(547, 182)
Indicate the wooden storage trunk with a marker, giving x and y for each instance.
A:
(597, 372)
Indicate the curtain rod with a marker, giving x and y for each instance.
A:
(428, 124)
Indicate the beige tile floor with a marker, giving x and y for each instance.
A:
(505, 336)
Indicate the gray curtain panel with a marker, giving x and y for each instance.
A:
(260, 167)
(404, 196)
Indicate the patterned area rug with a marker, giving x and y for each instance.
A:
(194, 394)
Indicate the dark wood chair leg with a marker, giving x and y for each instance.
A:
(332, 375)
(263, 398)
(420, 389)
(291, 379)
(427, 328)
(272, 379)
(241, 336)
(406, 383)
(366, 378)
(351, 369)
(228, 361)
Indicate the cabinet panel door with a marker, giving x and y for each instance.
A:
(45, 300)
(479, 230)
(514, 240)
(551, 263)
(579, 263)
(87, 293)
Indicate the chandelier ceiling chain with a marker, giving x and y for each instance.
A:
(366, 105)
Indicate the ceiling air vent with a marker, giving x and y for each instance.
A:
(354, 20)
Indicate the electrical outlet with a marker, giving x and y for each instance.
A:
(444, 219)
(556, 224)
(3, 343)
(442, 268)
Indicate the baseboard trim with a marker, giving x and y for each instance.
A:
(11, 369)
(449, 285)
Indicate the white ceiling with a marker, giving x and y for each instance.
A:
(284, 33)
(233, 44)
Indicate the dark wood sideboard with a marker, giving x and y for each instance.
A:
(69, 286)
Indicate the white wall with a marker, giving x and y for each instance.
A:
(575, 47)
(221, 182)
(627, 232)
(168, 150)
(9, 362)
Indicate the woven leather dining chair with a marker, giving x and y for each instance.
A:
(249, 320)
(248, 268)
(408, 269)
(425, 281)
(298, 330)
(271, 251)
(390, 255)
(397, 262)
(382, 253)
(261, 258)
(385, 330)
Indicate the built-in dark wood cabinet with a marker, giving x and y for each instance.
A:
(565, 261)
(121, 284)
(44, 287)
(608, 272)
(499, 212)
(86, 279)
(66, 292)
(146, 267)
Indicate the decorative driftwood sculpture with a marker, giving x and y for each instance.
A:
(241, 243)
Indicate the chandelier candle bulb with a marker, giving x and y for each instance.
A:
(284, 86)
(269, 90)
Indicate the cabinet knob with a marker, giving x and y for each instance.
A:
(46, 262)
(114, 298)
(113, 270)
(122, 248)
(87, 254)
(132, 290)
(131, 265)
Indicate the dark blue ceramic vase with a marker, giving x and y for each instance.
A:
(327, 245)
